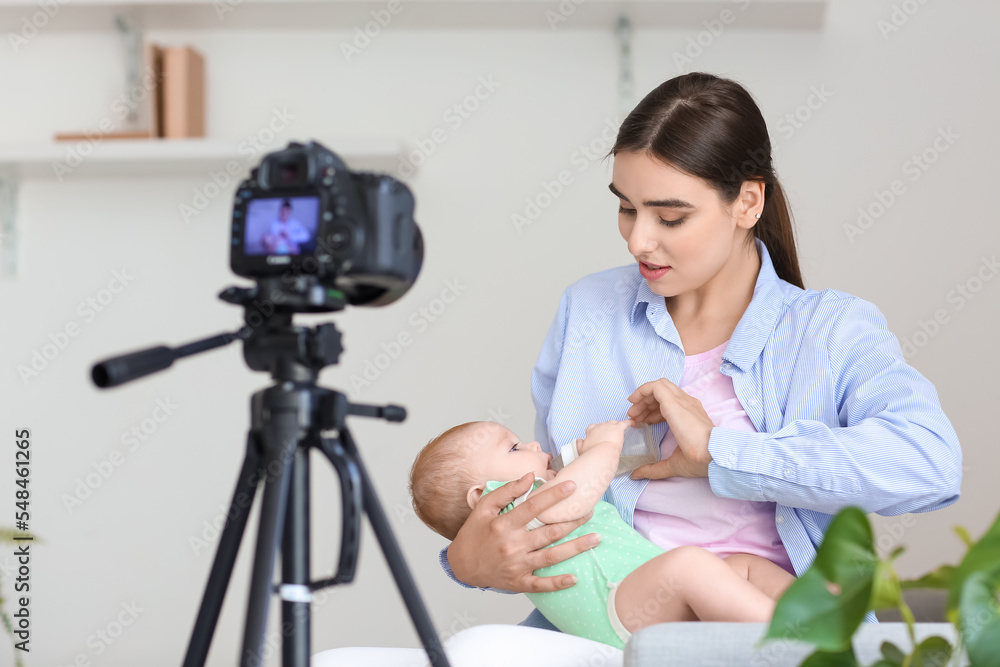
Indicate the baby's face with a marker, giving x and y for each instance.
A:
(500, 455)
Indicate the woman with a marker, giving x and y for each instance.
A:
(783, 404)
(822, 410)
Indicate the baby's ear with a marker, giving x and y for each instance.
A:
(474, 494)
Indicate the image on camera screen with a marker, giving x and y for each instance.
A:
(281, 226)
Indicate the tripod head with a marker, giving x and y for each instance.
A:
(271, 342)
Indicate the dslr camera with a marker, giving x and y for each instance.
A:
(302, 212)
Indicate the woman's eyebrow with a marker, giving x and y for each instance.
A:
(656, 203)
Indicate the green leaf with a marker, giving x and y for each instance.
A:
(808, 610)
(939, 578)
(892, 653)
(979, 618)
(983, 556)
(932, 652)
(831, 659)
(963, 535)
(886, 593)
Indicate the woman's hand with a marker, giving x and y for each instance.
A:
(498, 551)
(685, 415)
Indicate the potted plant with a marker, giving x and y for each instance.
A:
(848, 579)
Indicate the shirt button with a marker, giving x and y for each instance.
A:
(788, 473)
(779, 519)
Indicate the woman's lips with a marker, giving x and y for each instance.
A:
(650, 273)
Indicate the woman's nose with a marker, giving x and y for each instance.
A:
(640, 239)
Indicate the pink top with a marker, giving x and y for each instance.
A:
(677, 511)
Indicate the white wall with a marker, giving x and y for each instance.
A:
(129, 541)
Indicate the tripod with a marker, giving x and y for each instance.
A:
(287, 421)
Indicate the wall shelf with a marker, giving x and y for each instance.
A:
(348, 14)
(131, 158)
(172, 157)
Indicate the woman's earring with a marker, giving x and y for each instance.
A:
(758, 215)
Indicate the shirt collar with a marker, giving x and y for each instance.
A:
(753, 329)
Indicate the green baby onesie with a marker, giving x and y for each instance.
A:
(582, 609)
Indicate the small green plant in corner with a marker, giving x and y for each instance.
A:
(825, 606)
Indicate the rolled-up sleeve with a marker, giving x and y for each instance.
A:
(893, 452)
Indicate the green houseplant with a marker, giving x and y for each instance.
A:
(825, 606)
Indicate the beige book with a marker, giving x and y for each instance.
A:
(183, 93)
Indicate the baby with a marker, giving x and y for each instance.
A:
(623, 584)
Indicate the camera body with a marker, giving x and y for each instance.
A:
(303, 212)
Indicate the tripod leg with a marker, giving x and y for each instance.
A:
(394, 557)
(295, 567)
(225, 558)
(281, 441)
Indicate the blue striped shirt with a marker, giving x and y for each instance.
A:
(841, 418)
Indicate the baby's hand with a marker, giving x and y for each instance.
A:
(609, 431)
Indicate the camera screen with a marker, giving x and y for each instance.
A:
(281, 226)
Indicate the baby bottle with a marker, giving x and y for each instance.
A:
(639, 449)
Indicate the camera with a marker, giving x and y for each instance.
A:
(303, 212)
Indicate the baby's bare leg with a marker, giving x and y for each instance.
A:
(688, 584)
(770, 579)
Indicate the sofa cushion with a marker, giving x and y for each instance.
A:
(733, 644)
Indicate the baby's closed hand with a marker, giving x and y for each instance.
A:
(609, 431)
